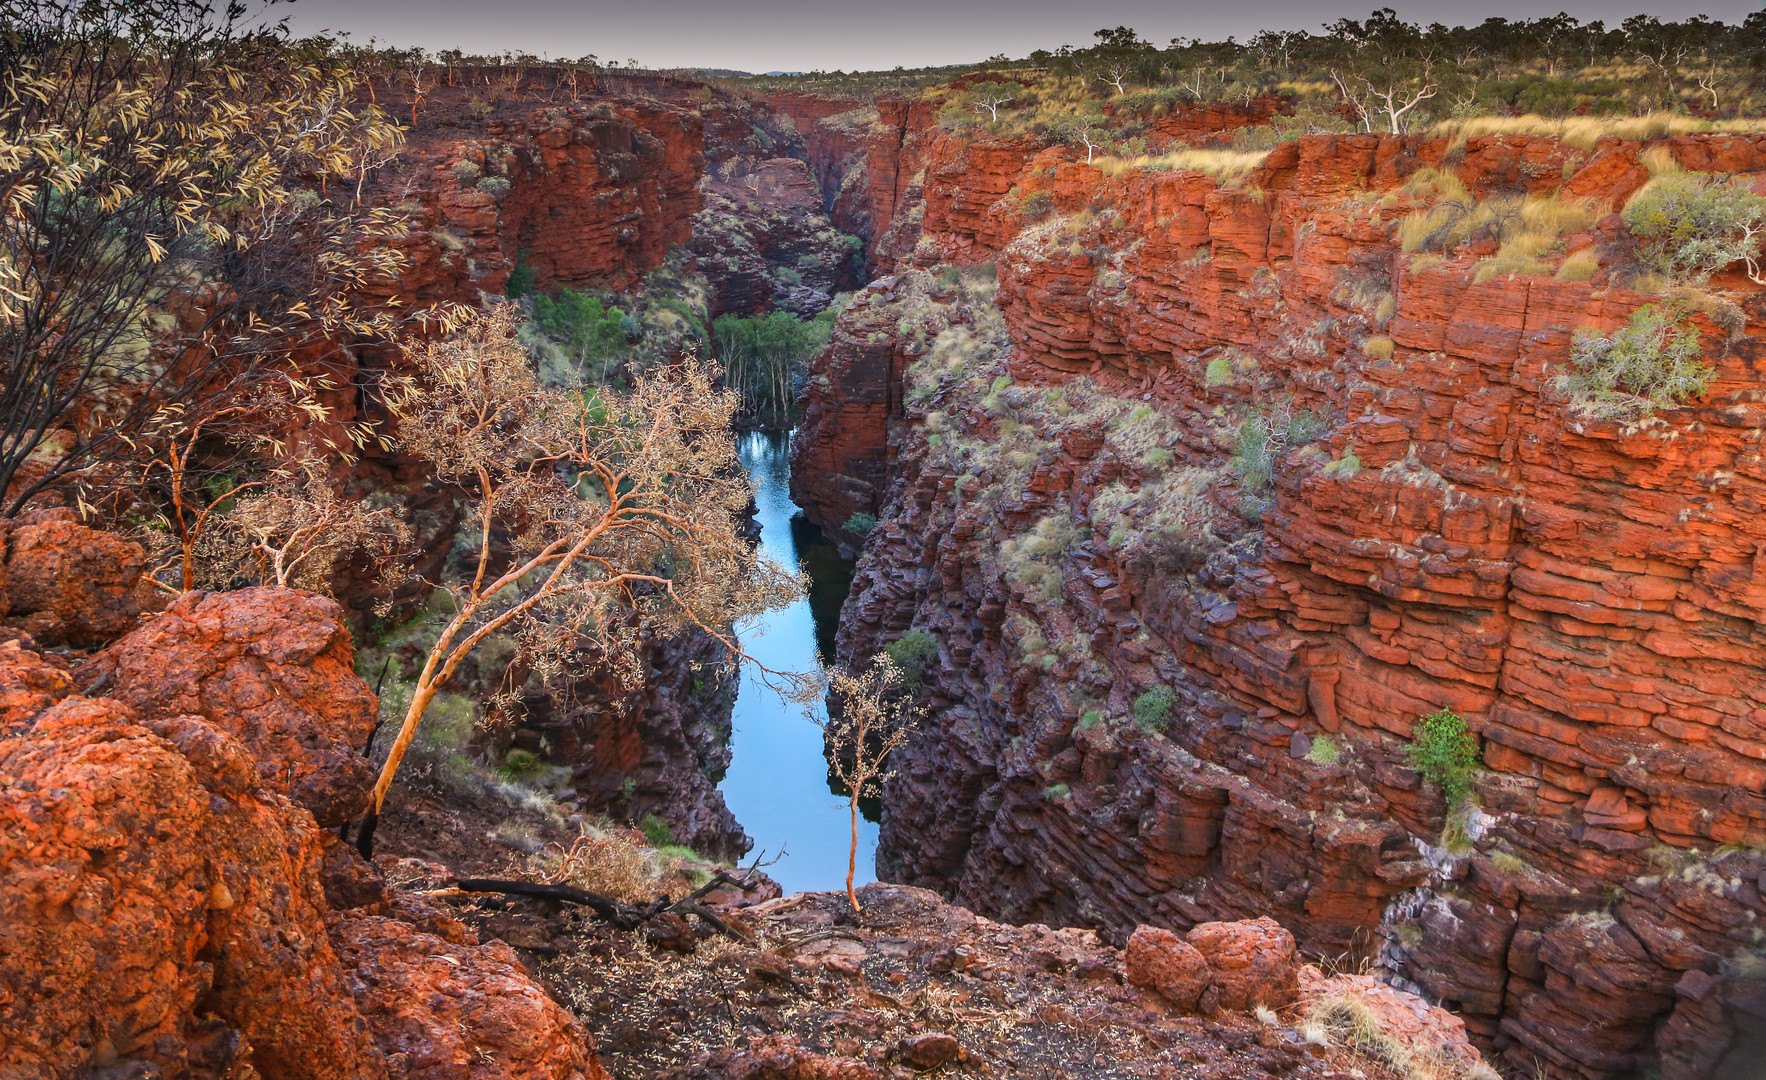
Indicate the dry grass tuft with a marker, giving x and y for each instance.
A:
(1219, 164)
(1345, 1020)
(1583, 132)
(1581, 266)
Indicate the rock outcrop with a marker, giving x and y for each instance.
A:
(170, 906)
(589, 194)
(62, 583)
(273, 668)
(1167, 695)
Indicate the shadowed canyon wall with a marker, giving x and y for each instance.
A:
(1051, 467)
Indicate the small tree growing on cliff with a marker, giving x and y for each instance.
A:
(598, 519)
(868, 719)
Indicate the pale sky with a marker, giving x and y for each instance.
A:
(765, 35)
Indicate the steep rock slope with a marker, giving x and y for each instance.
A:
(1061, 515)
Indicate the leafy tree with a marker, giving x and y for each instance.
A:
(598, 518)
(764, 356)
(161, 245)
(868, 719)
(596, 336)
(1384, 65)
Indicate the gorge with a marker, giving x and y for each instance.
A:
(1218, 456)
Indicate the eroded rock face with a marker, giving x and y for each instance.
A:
(165, 906)
(445, 1010)
(1582, 593)
(271, 666)
(157, 905)
(66, 584)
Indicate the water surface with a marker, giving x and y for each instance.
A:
(777, 784)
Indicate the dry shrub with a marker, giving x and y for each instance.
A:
(608, 861)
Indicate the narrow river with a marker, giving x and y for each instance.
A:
(777, 783)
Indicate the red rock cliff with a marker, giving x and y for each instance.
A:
(1058, 510)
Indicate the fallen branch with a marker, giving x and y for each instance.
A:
(618, 913)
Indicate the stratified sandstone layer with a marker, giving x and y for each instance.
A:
(1059, 511)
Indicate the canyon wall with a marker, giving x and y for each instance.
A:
(1165, 697)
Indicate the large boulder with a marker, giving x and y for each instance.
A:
(159, 908)
(271, 666)
(1164, 962)
(454, 1010)
(1429, 1032)
(66, 584)
(1254, 962)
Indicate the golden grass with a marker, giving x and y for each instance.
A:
(1344, 1019)
(1579, 267)
(1527, 228)
(1379, 348)
(1583, 132)
(1659, 160)
(1219, 164)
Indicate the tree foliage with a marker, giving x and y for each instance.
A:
(159, 242)
(598, 518)
(764, 357)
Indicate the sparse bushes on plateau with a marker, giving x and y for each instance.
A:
(1693, 225)
(1655, 362)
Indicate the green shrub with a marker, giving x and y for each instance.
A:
(1056, 792)
(914, 653)
(788, 275)
(1694, 224)
(520, 278)
(1091, 718)
(1443, 751)
(1219, 371)
(519, 765)
(1655, 362)
(861, 523)
(494, 185)
(595, 337)
(659, 832)
(1152, 710)
(1324, 751)
(465, 171)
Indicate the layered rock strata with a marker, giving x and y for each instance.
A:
(1060, 510)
